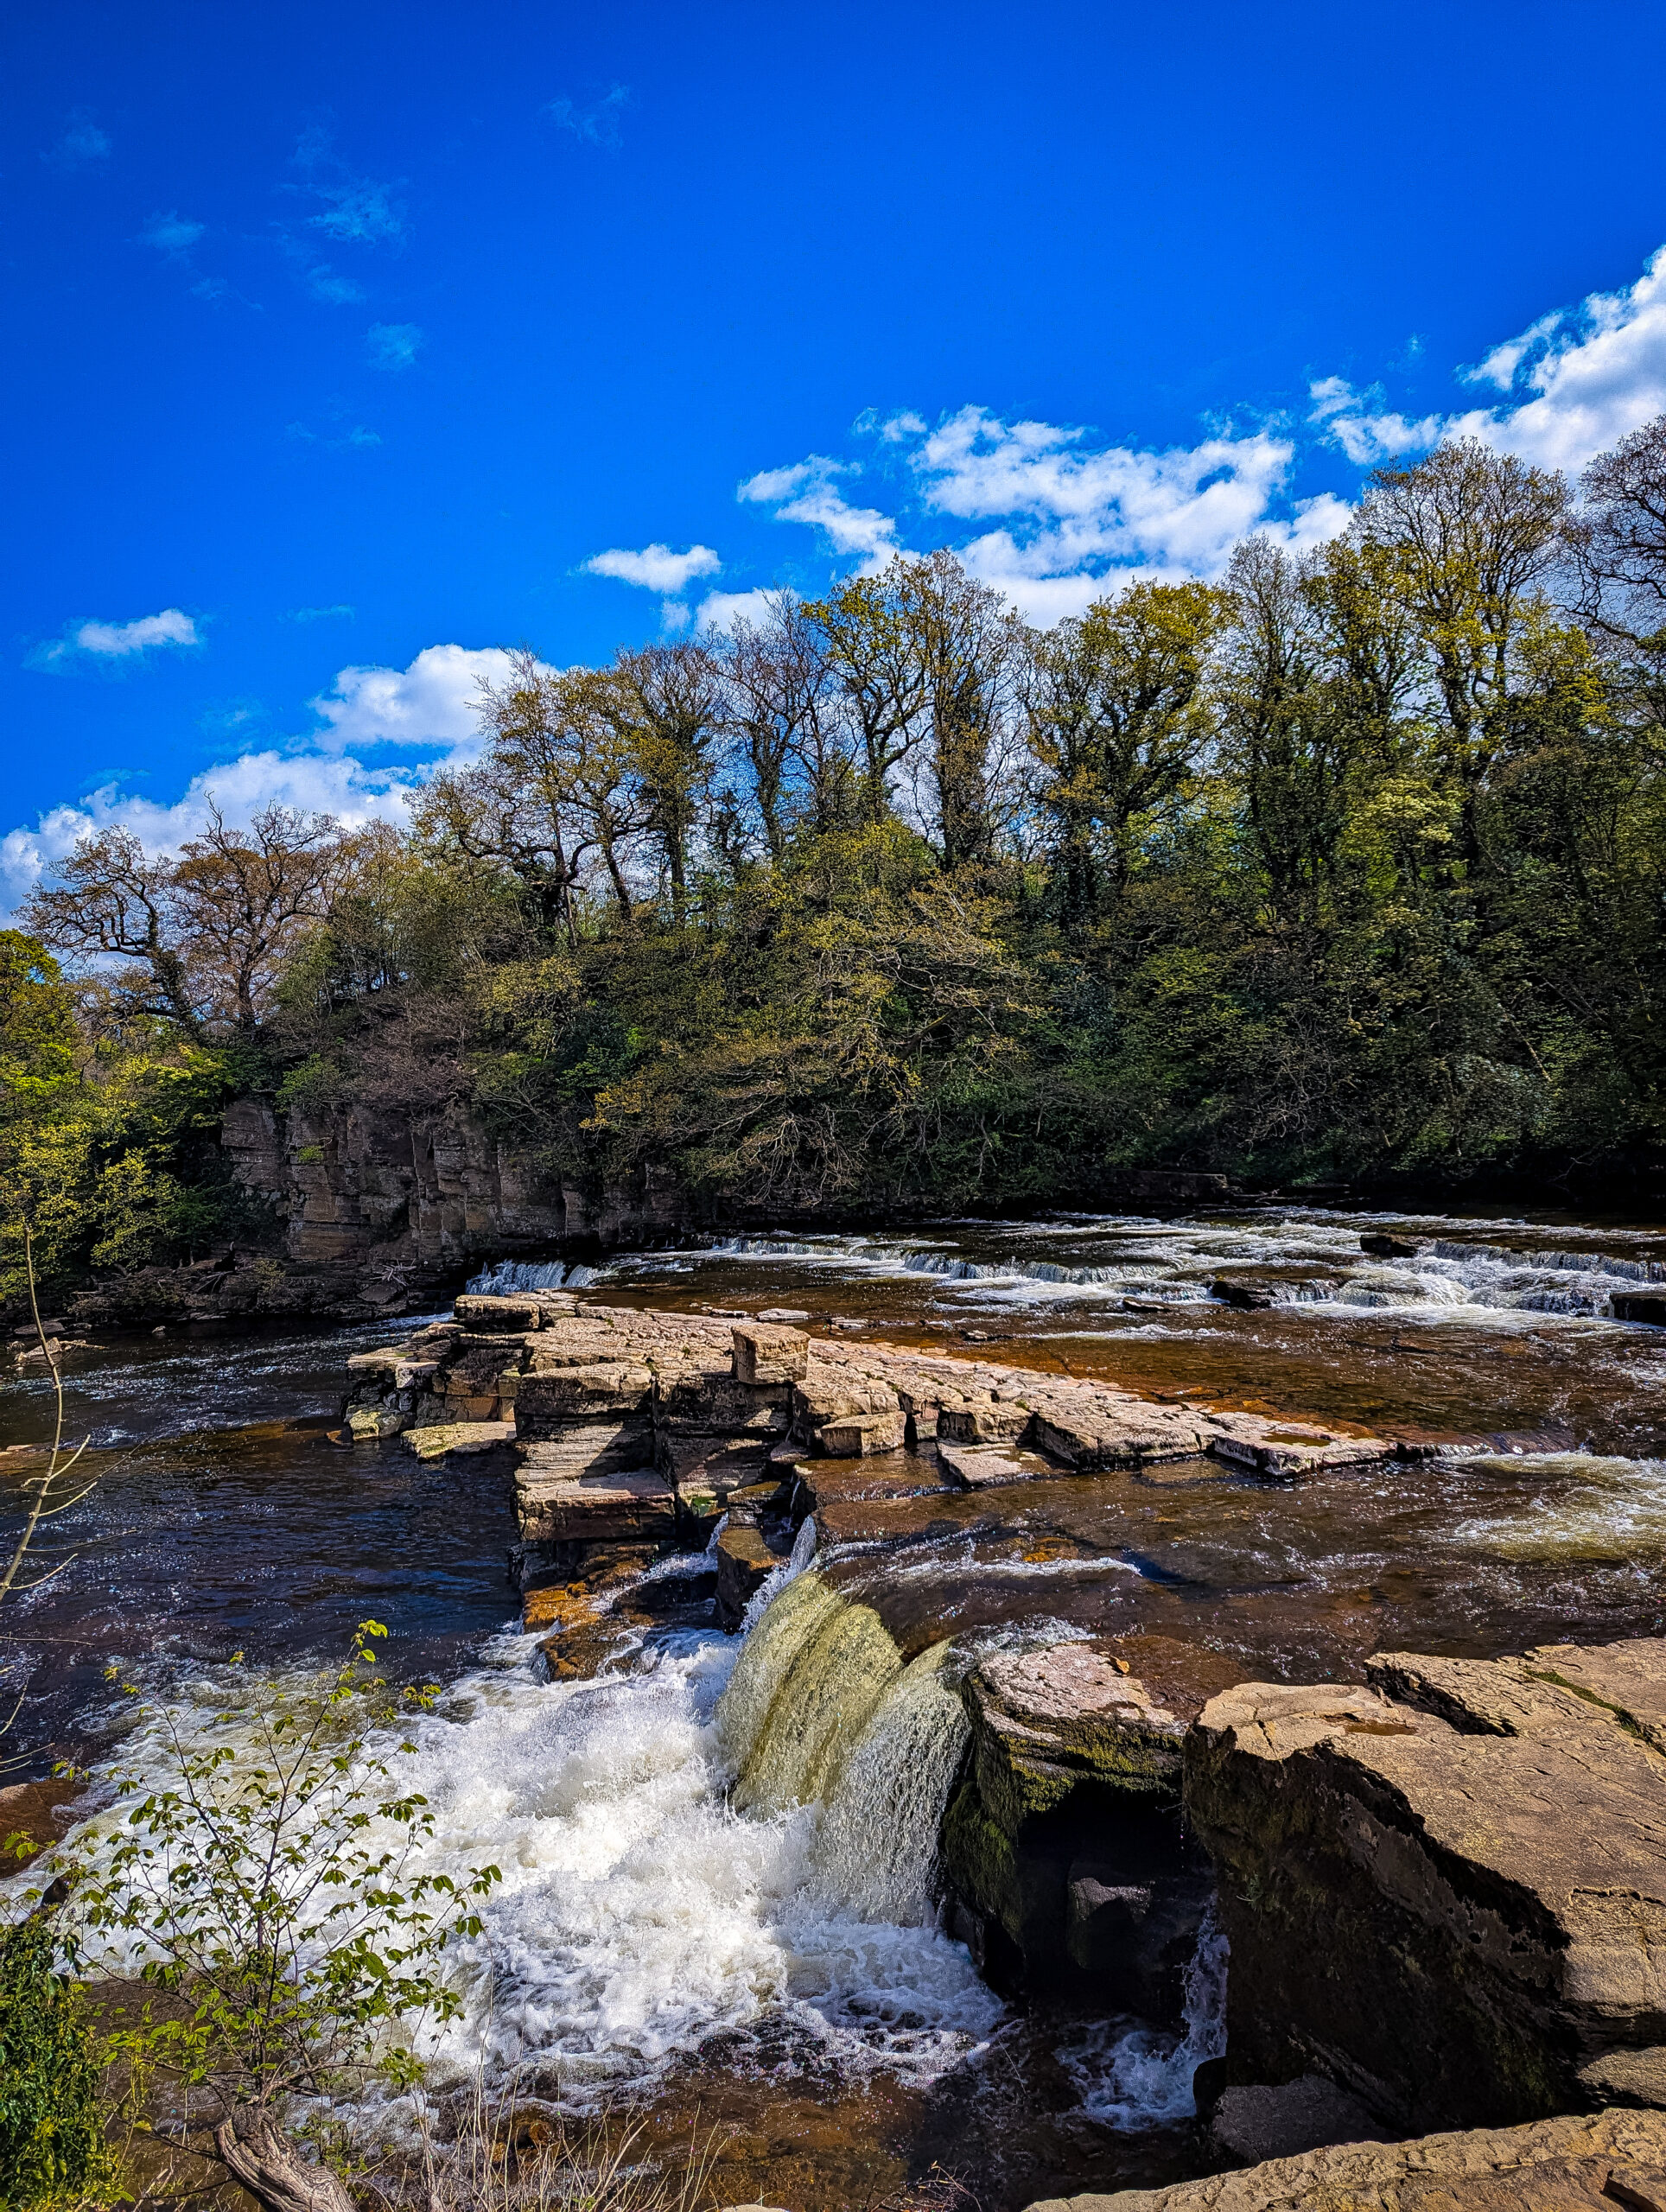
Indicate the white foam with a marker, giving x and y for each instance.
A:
(639, 1914)
(1141, 2078)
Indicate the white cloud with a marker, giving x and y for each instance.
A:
(807, 492)
(239, 788)
(1366, 431)
(357, 210)
(393, 345)
(655, 568)
(1594, 372)
(82, 143)
(118, 641)
(173, 233)
(1075, 520)
(1581, 378)
(722, 610)
(592, 126)
(430, 703)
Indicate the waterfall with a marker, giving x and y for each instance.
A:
(1143, 2078)
(877, 1849)
(504, 1277)
(803, 1690)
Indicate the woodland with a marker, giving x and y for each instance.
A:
(1345, 869)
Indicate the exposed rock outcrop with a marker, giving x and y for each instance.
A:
(1445, 1890)
(1592, 2163)
(1062, 1846)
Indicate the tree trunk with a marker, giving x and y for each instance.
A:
(270, 2164)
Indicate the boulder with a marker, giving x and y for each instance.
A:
(1446, 1889)
(546, 1403)
(987, 1466)
(825, 1397)
(500, 1315)
(442, 1439)
(743, 1561)
(859, 1436)
(1259, 2120)
(983, 1421)
(1285, 1451)
(1106, 1433)
(1381, 1245)
(635, 1507)
(709, 1400)
(1062, 1845)
(769, 1353)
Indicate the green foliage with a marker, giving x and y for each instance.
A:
(1351, 864)
(271, 1878)
(51, 2125)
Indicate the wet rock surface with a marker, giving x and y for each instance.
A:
(1064, 1852)
(1446, 1889)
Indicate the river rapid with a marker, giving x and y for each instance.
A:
(768, 1958)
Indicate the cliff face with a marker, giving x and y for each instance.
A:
(403, 1203)
(374, 1212)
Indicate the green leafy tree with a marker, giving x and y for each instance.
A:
(272, 1879)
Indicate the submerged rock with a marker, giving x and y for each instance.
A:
(1597, 2162)
(1445, 1890)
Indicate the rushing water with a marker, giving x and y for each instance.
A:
(718, 1856)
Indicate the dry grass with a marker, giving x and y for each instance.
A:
(507, 2152)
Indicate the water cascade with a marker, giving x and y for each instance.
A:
(877, 1849)
(504, 1278)
(803, 1688)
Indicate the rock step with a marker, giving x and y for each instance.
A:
(1581, 2163)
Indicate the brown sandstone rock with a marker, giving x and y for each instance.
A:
(743, 1561)
(1063, 1845)
(768, 1353)
(500, 1315)
(1597, 2162)
(1452, 1900)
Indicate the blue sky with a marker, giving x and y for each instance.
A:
(349, 343)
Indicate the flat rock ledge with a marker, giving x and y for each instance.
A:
(652, 1425)
(1445, 1889)
(1591, 2163)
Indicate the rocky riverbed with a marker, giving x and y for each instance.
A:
(865, 1751)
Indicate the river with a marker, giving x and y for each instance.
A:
(651, 1941)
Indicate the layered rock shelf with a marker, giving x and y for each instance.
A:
(1444, 1886)
(1446, 1889)
(1612, 2160)
(645, 1426)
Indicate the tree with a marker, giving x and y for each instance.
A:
(518, 804)
(866, 633)
(1117, 723)
(1471, 538)
(242, 901)
(114, 900)
(669, 704)
(968, 646)
(1622, 538)
(209, 933)
(272, 1878)
(777, 683)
